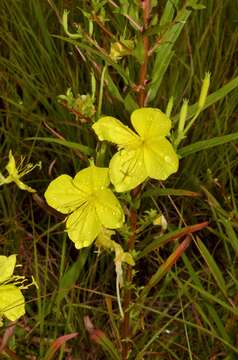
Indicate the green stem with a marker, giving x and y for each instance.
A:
(62, 265)
(99, 110)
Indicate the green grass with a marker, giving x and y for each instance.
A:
(190, 311)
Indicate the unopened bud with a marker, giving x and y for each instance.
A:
(183, 116)
(121, 48)
(169, 106)
(204, 90)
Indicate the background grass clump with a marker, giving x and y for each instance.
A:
(185, 311)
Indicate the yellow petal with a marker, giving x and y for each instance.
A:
(7, 265)
(91, 179)
(12, 302)
(11, 166)
(108, 209)
(63, 195)
(127, 169)
(83, 226)
(160, 159)
(150, 122)
(110, 129)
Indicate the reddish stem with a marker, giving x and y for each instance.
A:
(126, 330)
(145, 4)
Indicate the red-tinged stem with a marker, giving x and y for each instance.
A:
(165, 267)
(126, 328)
(144, 67)
(11, 354)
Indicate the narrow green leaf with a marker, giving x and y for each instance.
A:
(232, 237)
(192, 273)
(212, 313)
(130, 104)
(168, 13)
(206, 144)
(212, 266)
(211, 99)
(109, 348)
(69, 144)
(220, 326)
(169, 192)
(165, 51)
(113, 89)
(71, 275)
(215, 299)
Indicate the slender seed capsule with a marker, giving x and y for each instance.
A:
(204, 90)
(183, 116)
(65, 26)
(169, 106)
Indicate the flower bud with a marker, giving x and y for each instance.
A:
(204, 90)
(169, 106)
(183, 116)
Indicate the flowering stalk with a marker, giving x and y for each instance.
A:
(145, 4)
(133, 214)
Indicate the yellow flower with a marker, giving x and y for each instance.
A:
(92, 205)
(12, 302)
(16, 173)
(146, 153)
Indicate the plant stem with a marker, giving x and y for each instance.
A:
(101, 91)
(145, 4)
(126, 329)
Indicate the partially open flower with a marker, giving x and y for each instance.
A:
(16, 173)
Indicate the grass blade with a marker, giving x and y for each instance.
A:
(165, 51)
(207, 144)
(212, 266)
(69, 144)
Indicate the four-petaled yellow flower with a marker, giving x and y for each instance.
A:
(12, 302)
(146, 153)
(92, 205)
